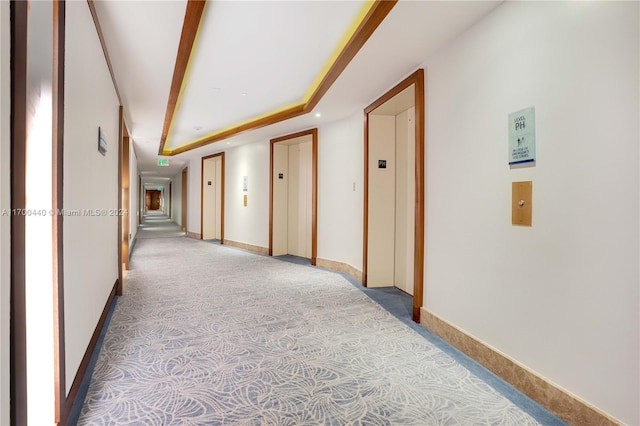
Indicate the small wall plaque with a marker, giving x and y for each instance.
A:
(522, 136)
(521, 203)
(382, 164)
(102, 142)
(245, 183)
(280, 175)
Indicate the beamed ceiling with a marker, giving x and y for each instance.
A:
(199, 77)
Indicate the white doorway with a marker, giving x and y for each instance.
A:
(391, 192)
(212, 216)
(293, 212)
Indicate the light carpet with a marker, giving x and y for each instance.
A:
(209, 335)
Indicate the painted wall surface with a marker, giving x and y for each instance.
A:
(340, 196)
(5, 204)
(176, 193)
(560, 297)
(382, 195)
(134, 219)
(249, 225)
(90, 182)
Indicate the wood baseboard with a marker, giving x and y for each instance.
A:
(195, 235)
(82, 369)
(340, 267)
(568, 407)
(132, 245)
(245, 246)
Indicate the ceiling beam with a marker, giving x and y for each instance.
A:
(192, 18)
(377, 13)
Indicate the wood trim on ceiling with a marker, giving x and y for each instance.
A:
(376, 14)
(314, 185)
(192, 18)
(417, 79)
(59, 26)
(103, 43)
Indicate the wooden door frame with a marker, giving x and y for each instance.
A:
(221, 155)
(123, 210)
(417, 79)
(18, 314)
(314, 188)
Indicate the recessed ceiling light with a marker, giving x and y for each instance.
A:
(243, 94)
(197, 128)
(318, 114)
(228, 143)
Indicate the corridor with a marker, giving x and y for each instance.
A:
(206, 334)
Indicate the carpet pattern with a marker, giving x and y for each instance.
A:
(210, 335)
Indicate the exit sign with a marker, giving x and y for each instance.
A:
(163, 162)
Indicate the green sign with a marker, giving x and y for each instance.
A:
(159, 188)
(163, 162)
(522, 136)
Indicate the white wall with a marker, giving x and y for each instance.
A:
(5, 203)
(340, 167)
(249, 225)
(560, 297)
(134, 219)
(90, 182)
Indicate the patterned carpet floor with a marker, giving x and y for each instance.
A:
(211, 335)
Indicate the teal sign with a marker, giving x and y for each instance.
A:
(163, 162)
(522, 136)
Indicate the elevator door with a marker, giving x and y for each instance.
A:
(212, 199)
(292, 198)
(390, 244)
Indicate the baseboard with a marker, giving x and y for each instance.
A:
(82, 369)
(194, 235)
(340, 267)
(132, 245)
(569, 407)
(245, 246)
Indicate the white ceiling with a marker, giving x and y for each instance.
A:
(244, 47)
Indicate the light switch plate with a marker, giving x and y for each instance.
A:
(521, 203)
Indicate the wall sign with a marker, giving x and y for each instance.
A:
(382, 164)
(522, 136)
(102, 142)
(245, 183)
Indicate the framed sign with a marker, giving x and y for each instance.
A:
(522, 136)
(102, 142)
